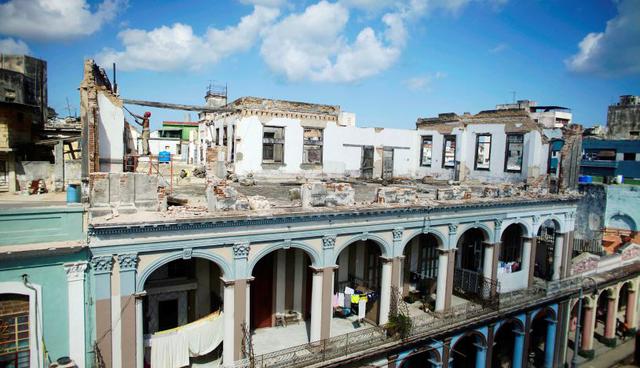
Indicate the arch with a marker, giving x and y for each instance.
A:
(622, 221)
(218, 260)
(560, 227)
(385, 248)
(429, 349)
(442, 239)
(506, 321)
(488, 233)
(479, 334)
(309, 250)
(545, 310)
(609, 292)
(524, 226)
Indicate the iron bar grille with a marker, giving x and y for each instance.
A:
(14, 341)
(474, 286)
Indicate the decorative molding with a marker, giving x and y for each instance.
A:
(286, 244)
(75, 270)
(241, 250)
(187, 253)
(128, 262)
(497, 223)
(329, 242)
(453, 228)
(397, 234)
(102, 264)
(536, 220)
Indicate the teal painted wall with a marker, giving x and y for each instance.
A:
(49, 273)
(41, 224)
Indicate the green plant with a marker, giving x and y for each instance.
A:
(399, 324)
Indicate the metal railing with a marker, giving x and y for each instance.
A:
(368, 338)
(593, 246)
(475, 286)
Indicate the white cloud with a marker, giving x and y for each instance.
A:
(498, 48)
(175, 47)
(55, 19)
(312, 44)
(614, 52)
(423, 82)
(11, 46)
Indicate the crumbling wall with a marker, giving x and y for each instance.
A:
(396, 195)
(124, 193)
(327, 195)
(570, 158)
(590, 212)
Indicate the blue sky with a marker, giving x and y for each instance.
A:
(388, 61)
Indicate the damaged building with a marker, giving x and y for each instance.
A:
(299, 239)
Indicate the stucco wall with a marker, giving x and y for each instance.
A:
(622, 202)
(110, 134)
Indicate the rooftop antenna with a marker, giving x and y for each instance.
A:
(68, 107)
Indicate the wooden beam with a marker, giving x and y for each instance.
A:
(171, 106)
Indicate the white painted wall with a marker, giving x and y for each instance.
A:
(110, 134)
(342, 150)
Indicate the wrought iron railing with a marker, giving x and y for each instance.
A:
(365, 339)
(475, 286)
(593, 246)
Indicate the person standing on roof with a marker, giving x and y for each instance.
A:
(145, 130)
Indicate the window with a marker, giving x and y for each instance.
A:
(426, 150)
(312, 146)
(449, 151)
(513, 159)
(14, 330)
(629, 156)
(273, 145)
(483, 151)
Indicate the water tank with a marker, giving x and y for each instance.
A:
(164, 156)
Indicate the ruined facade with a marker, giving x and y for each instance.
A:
(623, 118)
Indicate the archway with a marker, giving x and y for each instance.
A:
(181, 293)
(422, 358)
(280, 300)
(622, 221)
(511, 253)
(545, 247)
(421, 271)
(469, 351)
(507, 345)
(605, 327)
(468, 280)
(357, 286)
(542, 339)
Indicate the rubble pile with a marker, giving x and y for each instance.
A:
(326, 195)
(396, 195)
(221, 196)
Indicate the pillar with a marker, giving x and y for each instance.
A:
(102, 266)
(58, 171)
(443, 293)
(527, 339)
(139, 334)
(327, 302)
(630, 315)
(550, 343)
(396, 272)
(481, 356)
(557, 256)
(128, 264)
(446, 352)
(316, 305)
(281, 276)
(589, 320)
(228, 345)
(488, 265)
(518, 348)
(298, 280)
(527, 257)
(385, 291)
(610, 324)
(75, 294)
(239, 313)
(230, 137)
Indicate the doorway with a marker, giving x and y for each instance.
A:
(366, 164)
(387, 163)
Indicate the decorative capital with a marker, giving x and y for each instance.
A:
(397, 234)
(497, 223)
(75, 270)
(536, 219)
(286, 244)
(128, 262)
(453, 228)
(102, 264)
(187, 253)
(328, 242)
(364, 236)
(241, 250)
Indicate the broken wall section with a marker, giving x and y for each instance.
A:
(114, 193)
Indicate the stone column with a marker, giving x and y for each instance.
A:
(316, 304)
(489, 267)
(228, 344)
(443, 292)
(102, 266)
(230, 137)
(490, 340)
(75, 297)
(557, 255)
(139, 334)
(481, 356)
(589, 320)
(527, 339)
(610, 324)
(281, 275)
(518, 348)
(550, 343)
(385, 291)
(630, 315)
(396, 272)
(446, 352)
(128, 264)
(327, 302)
(528, 256)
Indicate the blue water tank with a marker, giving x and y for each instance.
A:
(164, 156)
(73, 193)
(585, 179)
